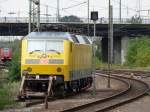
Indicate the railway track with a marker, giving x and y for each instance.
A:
(33, 101)
(37, 100)
(135, 90)
(127, 72)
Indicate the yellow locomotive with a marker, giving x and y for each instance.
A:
(61, 56)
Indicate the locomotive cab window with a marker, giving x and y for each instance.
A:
(54, 46)
(86, 40)
(45, 46)
(36, 46)
(75, 39)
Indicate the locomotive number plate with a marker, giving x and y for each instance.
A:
(45, 61)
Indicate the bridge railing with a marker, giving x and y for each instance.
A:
(84, 20)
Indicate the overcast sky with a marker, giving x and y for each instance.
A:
(129, 7)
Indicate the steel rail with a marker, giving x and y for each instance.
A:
(138, 89)
(128, 72)
(79, 108)
(34, 101)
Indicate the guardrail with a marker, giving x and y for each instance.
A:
(84, 20)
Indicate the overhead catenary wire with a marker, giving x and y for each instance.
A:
(56, 9)
(66, 7)
(129, 8)
(78, 3)
(82, 2)
(102, 8)
(148, 11)
(48, 6)
(74, 5)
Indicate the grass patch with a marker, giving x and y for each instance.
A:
(8, 91)
(7, 95)
(8, 84)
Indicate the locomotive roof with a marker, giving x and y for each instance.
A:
(48, 35)
(59, 35)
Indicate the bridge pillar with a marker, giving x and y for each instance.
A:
(124, 46)
(117, 50)
(120, 49)
(104, 46)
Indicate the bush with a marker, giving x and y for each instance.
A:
(98, 50)
(7, 94)
(14, 68)
(9, 88)
(71, 18)
(135, 20)
(138, 53)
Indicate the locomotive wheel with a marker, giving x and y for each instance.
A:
(59, 91)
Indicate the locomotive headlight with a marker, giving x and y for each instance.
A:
(59, 69)
(29, 69)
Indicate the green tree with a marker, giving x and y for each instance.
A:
(71, 18)
(138, 53)
(14, 68)
(135, 20)
(98, 51)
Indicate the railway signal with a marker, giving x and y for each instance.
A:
(94, 17)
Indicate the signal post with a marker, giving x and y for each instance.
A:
(94, 17)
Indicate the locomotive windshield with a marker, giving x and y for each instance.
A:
(45, 46)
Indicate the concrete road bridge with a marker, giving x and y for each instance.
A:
(122, 32)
